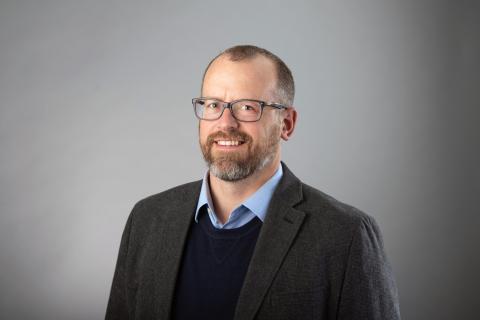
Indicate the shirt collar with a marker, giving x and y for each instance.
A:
(257, 202)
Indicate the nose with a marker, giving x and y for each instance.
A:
(227, 120)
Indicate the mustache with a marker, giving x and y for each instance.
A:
(230, 135)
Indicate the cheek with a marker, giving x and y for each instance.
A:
(260, 137)
(273, 134)
(203, 131)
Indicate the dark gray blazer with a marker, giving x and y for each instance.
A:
(315, 258)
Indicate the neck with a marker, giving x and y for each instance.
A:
(227, 195)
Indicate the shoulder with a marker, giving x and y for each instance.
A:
(332, 216)
(324, 215)
(177, 193)
(168, 199)
(318, 202)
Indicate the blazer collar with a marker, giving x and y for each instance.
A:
(276, 236)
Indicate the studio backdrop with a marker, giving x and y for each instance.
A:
(95, 114)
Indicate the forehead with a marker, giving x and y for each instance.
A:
(229, 80)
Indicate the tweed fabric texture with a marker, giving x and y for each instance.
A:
(315, 258)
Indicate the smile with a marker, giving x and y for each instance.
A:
(229, 142)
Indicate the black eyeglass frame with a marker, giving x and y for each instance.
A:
(228, 105)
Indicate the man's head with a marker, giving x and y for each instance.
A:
(233, 149)
(284, 85)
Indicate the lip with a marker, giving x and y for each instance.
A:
(228, 147)
(227, 139)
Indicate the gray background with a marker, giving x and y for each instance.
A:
(95, 115)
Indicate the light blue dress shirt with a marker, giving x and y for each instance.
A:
(255, 206)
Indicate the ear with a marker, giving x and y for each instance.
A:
(288, 122)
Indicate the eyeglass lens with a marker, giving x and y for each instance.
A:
(244, 110)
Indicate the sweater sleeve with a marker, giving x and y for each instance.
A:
(369, 290)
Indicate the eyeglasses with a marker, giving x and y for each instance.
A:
(247, 110)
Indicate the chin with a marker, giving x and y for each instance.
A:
(230, 172)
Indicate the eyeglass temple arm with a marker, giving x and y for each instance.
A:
(276, 105)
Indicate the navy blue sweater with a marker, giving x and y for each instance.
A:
(213, 268)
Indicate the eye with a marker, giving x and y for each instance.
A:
(247, 107)
(212, 105)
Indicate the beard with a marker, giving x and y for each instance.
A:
(233, 166)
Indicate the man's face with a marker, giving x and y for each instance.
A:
(234, 150)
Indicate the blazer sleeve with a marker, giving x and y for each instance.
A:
(117, 307)
(369, 290)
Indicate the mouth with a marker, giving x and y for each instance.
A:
(229, 143)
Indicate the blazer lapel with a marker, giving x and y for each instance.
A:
(170, 244)
(276, 236)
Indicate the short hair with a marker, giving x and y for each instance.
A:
(285, 84)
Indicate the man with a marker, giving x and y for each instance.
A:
(250, 240)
